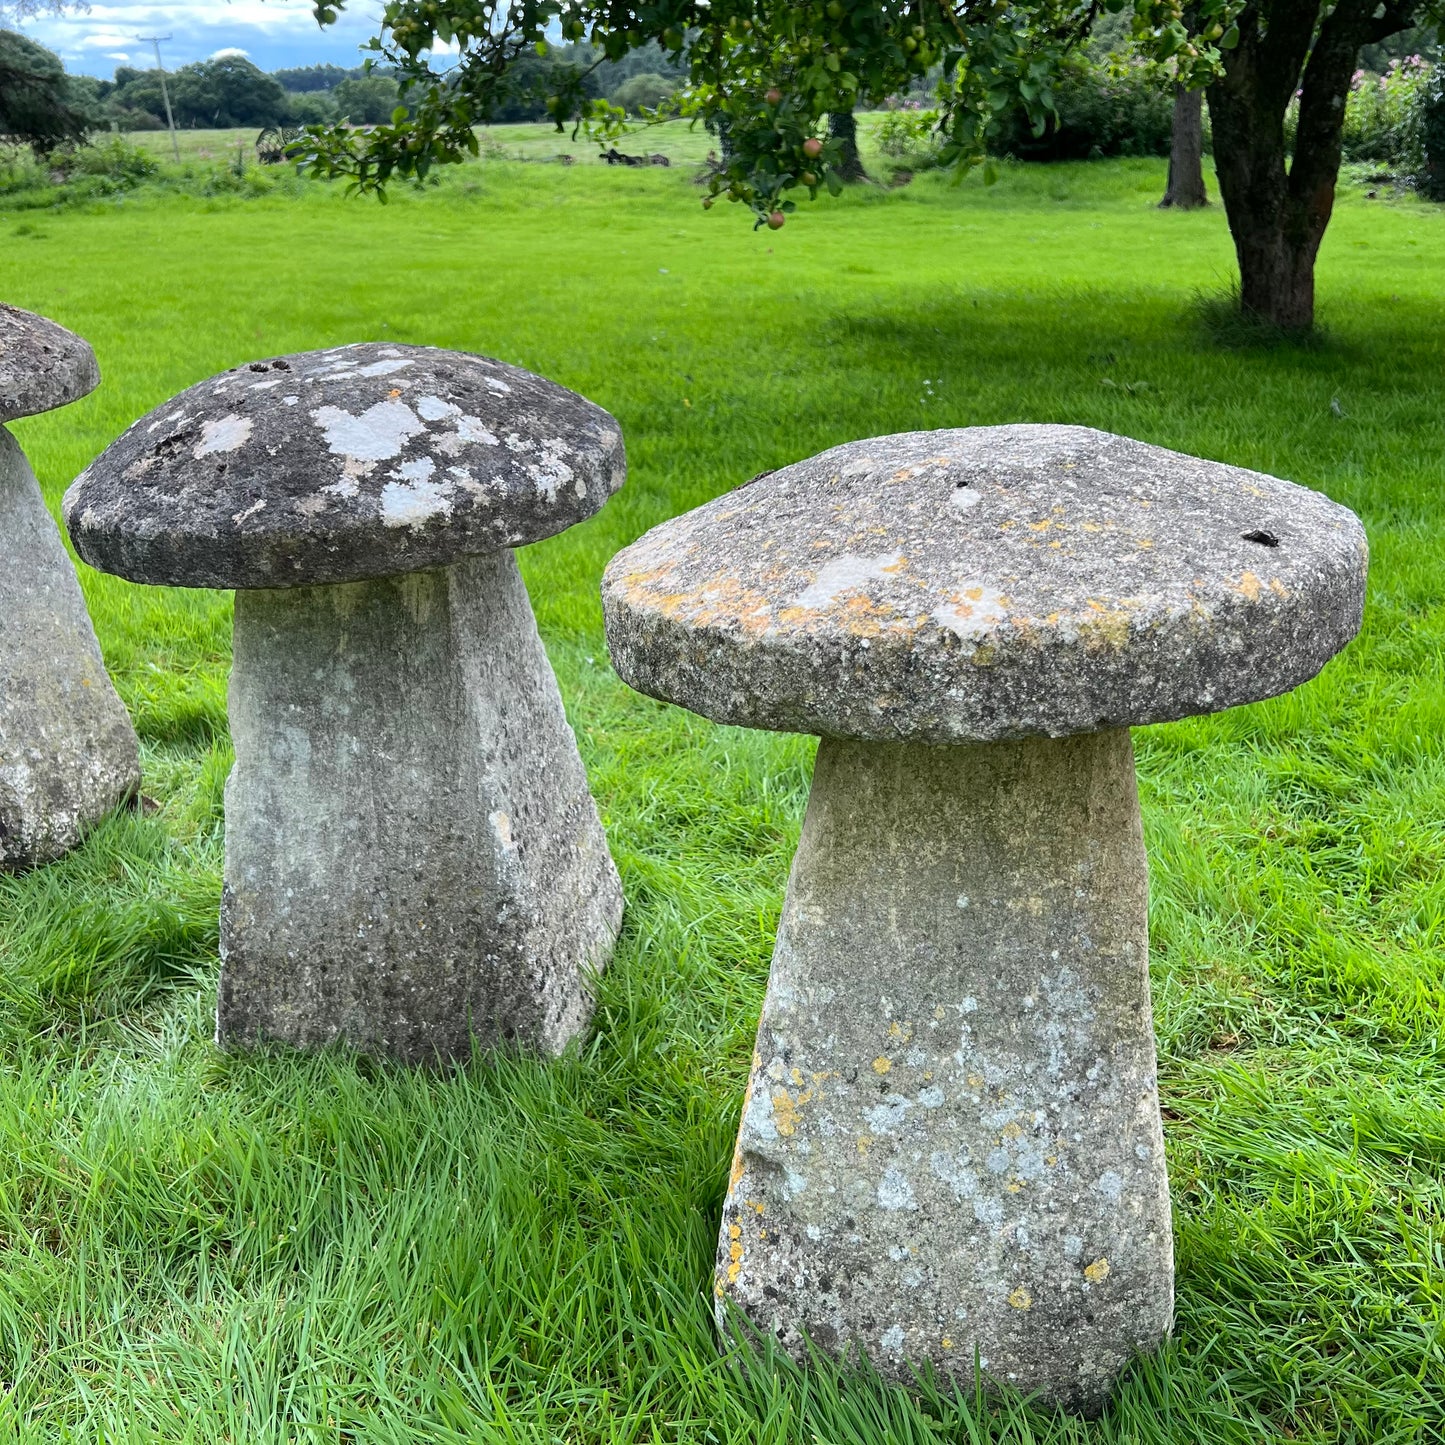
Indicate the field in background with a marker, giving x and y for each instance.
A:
(200, 1247)
(678, 140)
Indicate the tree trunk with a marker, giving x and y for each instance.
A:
(843, 127)
(1185, 191)
(1278, 208)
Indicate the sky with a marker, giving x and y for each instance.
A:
(272, 33)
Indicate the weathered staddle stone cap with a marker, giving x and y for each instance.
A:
(42, 365)
(336, 466)
(988, 583)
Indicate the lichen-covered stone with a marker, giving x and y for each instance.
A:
(951, 1140)
(68, 753)
(995, 582)
(413, 858)
(42, 365)
(951, 1147)
(336, 466)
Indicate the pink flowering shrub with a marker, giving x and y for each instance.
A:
(1384, 115)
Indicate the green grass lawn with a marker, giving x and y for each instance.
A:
(203, 1247)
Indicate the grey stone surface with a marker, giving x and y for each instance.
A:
(42, 365)
(989, 583)
(951, 1139)
(68, 753)
(412, 853)
(951, 1143)
(336, 466)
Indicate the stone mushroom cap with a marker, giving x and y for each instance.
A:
(42, 365)
(335, 466)
(988, 583)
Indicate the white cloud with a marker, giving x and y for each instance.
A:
(230, 50)
(271, 33)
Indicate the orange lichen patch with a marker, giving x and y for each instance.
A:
(1041, 526)
(1278, 587)
(754, 1205)
(734, 1254)
(865, 1142)
(1106, 625)
(1011, 1130)
(636, 582)
(902, 1031)
(787, 1110)
(1097, 1272)
(720, 599)
(1021, 1299)
(1248, 586)
(736, 1172)
(881, 1064)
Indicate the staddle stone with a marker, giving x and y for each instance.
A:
(985, 583)
(68, 753)
(951, 1148)
(413, 859)
(341, 465)
(42, 365)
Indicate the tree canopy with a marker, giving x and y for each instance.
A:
(765, 73)
(39, 106)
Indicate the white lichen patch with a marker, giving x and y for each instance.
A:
(972, 610)
(256, 506)
(470, 429)
(497, 385)
(847, 574)
(224, 434)
(379, 433)
(894, 1190)
(383, 368)
(414, 503)
(551, 474)
(433, 408)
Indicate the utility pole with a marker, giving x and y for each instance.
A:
(165, 94)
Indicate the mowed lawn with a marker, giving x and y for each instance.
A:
(205, 1247)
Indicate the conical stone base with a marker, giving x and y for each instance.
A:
(413, 858)
(68, 753)
(951, 1141)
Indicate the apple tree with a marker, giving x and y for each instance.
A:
(765, 74)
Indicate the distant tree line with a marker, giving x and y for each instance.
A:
(50, 107)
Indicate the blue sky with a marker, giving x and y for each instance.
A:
(273, 33)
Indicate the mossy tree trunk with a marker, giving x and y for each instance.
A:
(1185, 191)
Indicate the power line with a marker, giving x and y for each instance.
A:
(165, 93)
